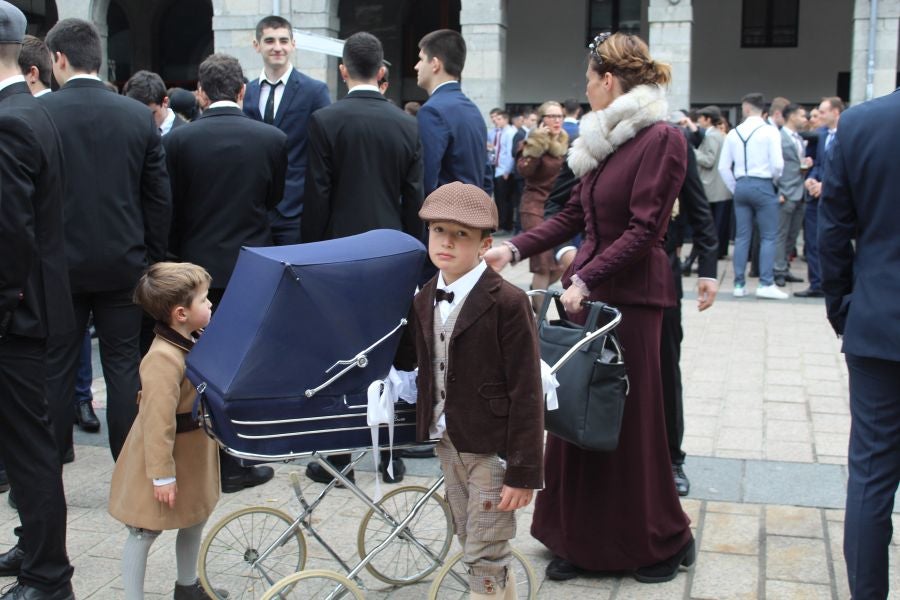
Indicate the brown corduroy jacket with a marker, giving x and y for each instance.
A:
(495, 402)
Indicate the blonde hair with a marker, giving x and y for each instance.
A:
(543, 108)
(628, 58)
(165, 285)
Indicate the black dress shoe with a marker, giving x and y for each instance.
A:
(86, 419)
(682, 483)
(399, 471)
(792, 278)
(810, 293)
(780, 280)
(667, 570)
(317, 473)
(11, 562)
(560, 569)
(25, 592)
(195, 591)
(246, 477)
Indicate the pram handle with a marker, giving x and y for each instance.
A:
(589, 336)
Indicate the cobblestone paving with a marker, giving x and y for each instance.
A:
(767, 421)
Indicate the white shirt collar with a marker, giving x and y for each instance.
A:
(440, 85)
(223, 104)
(462, 286)
(363, 87)
(283, 79)
(42, 92)
(166, 125)
(84, 76)
(11, 80)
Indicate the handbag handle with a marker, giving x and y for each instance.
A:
(590, 324)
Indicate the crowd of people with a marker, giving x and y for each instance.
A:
(130, 211)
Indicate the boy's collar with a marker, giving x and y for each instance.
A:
(172, 336)
(464, 284)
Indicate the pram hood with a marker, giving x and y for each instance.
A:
(290, 312)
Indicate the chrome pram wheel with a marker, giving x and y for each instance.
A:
(248, 551)
(403, 561)
(452, 581)
(314, 585)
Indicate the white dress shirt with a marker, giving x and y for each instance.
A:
(167, 123)
(279, 91)
(11, 80)
(460, 288)
(440, 85)
(42, 92)
(223, 104)
(364, 87)
(763, 152)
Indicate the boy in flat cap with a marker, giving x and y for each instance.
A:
(479, 384)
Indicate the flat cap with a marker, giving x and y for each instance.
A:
(461, 203)
(12, 24)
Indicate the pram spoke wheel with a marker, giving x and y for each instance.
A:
(452, 581)
(240, 554)
(314, 585)
(403, 561)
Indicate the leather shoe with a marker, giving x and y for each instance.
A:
(25, 592)
(790, 278)
(682, 483)
(317, 473)
(666, 570)
(780, 280)
(809, 293)
(559, 569)
(246, 477)
(11, 562)
(195, 591)
(399, 471)
(86, 419)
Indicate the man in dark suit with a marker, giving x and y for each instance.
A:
(365, 172)
(284, 97)
(117, 207)
(34, 287)
(365, 158)
(149, 89)
(861, 284)
(693, 208)
(227, 172)
(450, 125)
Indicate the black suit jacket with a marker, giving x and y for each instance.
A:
(861, 281)
(227, 171)
(365, 169)
(34, 283)
(117, 201)
(693, 207)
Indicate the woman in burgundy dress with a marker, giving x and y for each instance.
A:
(617, 511)
(539, 162)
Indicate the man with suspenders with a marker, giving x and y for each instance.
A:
(750, 164)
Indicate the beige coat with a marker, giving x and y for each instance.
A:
(154, 451)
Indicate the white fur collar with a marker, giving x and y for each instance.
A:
(601, 132)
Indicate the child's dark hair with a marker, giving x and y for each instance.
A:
(165, 285)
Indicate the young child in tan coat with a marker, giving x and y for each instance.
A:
(167, 475)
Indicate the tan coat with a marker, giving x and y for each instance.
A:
(154, 451)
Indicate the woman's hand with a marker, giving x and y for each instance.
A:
(572, 298)
(542, 128)
(498, 257)
(166, 494)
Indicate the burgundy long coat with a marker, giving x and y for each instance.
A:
(614, 511)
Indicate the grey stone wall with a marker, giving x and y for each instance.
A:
(886, 41)
(670, 42)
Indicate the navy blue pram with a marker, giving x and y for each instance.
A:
(284, 366)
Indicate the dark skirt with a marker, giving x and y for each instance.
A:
(617, 511)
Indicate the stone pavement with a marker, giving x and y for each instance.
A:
(767, 421)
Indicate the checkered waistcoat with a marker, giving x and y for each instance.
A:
(440, 353)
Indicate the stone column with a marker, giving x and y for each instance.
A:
(234, 24)
(89, 10)
(321, 18)
(484, 29)
(885, 80)
(670, 24)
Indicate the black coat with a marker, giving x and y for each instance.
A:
(227, 171)
(117, 201)
(365, 169)
(34, 283)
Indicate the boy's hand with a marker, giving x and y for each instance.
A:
(166, 494)
(514, 498)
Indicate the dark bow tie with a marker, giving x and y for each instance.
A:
(440, 295)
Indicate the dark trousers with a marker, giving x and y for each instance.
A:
(669, 359)
(85, 374)
(723, 216)
(285, 230)
(118, 323)
(28, 449)
(874, 464)
(811, 242)
(504, 190)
